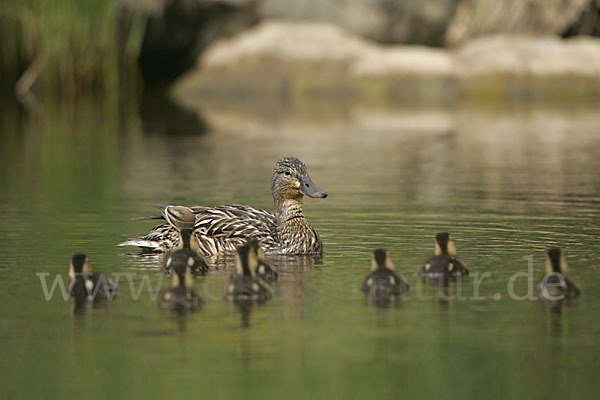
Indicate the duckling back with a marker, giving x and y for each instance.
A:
(87, 284)
(244, 284)
(181, 296)
(264, 270)
(186, 252)
(444, 264)
(383, 282)
(94, 286)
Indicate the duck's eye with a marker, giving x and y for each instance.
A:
(287, 173)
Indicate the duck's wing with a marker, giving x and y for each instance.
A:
(224, 228)
(461, 266)
(401, 283)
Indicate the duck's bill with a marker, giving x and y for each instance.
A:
(310, 189)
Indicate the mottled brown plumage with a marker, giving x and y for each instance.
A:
(224, 228)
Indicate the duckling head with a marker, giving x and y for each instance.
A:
(246, 260)
(291, 181)
(182, 273)
(555, 261)
(381, 260)
(260, 254)
(80, 264)
(187, 240)
(444, 244)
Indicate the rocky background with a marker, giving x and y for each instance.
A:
(362, 48)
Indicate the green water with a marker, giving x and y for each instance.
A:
(507, 183)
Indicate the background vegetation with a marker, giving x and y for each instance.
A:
(61, 49)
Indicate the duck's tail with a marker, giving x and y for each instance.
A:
(148, 217)
(161, 239)
(161, 207)
(144, 244)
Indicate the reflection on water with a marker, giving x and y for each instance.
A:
(508, 183)
(160, 116)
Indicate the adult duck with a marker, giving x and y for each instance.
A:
(222, 229)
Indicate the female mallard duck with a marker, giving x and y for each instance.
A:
(383, 282)
(181, 296)
(263, 269)
(555, 285)
(223, 229)
(189, 249)
(444, 263)
(244, 285)
(87, 284)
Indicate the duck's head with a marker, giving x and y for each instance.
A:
(291, 181)
(555, 261)
(247, 259)
(182, 273)
(381, 260)
(80, 264)
(187, 240)
(444, 244)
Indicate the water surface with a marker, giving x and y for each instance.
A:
(507, 183)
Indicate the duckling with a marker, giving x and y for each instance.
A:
(244, 284)
(187, 246)
(222, 229)
(383, 282)
(263, 270)
(87, 284)
(181, 296)
(444, 263)
(552, 287)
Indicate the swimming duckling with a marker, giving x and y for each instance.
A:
(263, 270)
(444, 263)
(87, 284)
(181, 296)
(383, 282)
(555, 285)
(188, 246)
(244, 284)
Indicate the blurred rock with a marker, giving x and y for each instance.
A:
(279, 47)
(529, 56)
(297, 46)
(294, 61)
(178, 31)
(476, 18)
(404, 60)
